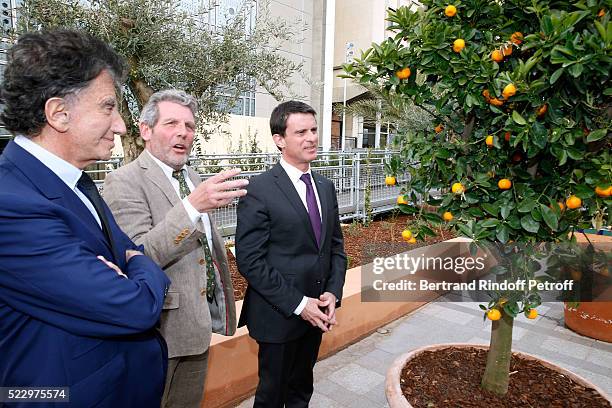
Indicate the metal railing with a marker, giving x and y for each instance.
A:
(349, 171)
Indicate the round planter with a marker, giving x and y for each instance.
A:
(591, 319)
(396, 398)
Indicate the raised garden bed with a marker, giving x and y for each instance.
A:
(381, 238)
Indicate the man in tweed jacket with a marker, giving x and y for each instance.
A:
(162, 203)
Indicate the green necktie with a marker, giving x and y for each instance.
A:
(210, 268)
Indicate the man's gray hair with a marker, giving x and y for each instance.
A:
(150, 112)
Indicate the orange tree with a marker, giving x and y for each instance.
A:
(520, 94)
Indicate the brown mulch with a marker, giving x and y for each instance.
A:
(382, 237)
(451, 378)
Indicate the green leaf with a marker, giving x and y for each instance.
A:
(407, 209)
(526, 205)
(490, 208)
(489, 223)
(518, 118)
(505, 210)
(574, 153)
(556, 75)
(576, 70)
(443, 153)
(498, 270)
(503, 233)
(514, 222)
(465, 230)
(601, 30)
(550, 217)
(597, 135)
(433, 218)
(529, 224)
(427, 231)
(511, 308)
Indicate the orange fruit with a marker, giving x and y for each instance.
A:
(509, 90)
(412, 240)
(489, 141)
(507, 136)
(390, 180)
(496, 102)
(516, 38)
(542, 110)
(504, 184)
(458, 45)
(401, 199)
(450, 10)
(576, 274)
(403, 73)
(439, 128)
(486, 94)
(601, 13)
(603, 192)
(447, 216)
(531, 314)
(507, 50)
(406, 234)
(573, 202)
(457, 188)
(497, 56)
(494, 314)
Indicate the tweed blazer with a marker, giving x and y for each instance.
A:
(147, 207)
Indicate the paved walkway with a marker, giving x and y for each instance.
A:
(354, 377)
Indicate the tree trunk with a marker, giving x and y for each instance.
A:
(497, 371)
(131, 142)
(132, 146)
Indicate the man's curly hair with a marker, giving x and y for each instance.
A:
(48, 64)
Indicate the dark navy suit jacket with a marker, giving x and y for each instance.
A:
(277, 253)
(66, 319)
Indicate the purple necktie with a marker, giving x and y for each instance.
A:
(313, 208)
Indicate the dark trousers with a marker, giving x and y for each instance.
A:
(285, 372)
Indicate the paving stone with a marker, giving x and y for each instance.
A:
(377, 395)
(357, 379)
(321, 401)
(601, 358)
(568, 348)
(376, 360)
(448, 314)
(602, 345)
(335, 392)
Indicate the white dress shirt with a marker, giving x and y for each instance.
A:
(62, 169)
(193, 214)
(294, 175)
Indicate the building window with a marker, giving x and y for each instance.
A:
(219, 13)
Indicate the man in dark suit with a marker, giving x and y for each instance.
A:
(78, 300)
(289, 247)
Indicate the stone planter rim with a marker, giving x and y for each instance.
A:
(396, 398)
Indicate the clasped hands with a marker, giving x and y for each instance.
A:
(321, 312)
